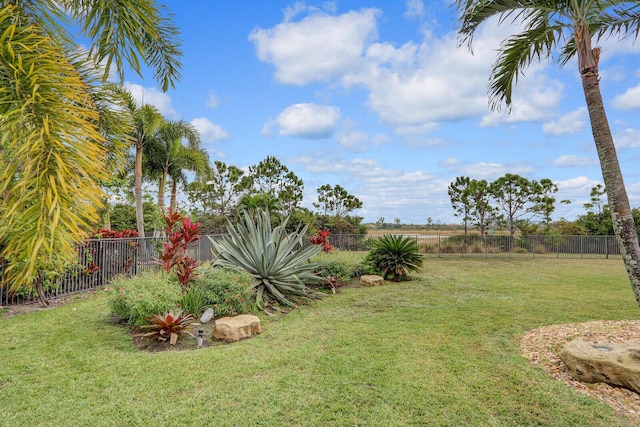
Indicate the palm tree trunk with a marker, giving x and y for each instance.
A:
(138, 192)
(174, 190)
(623, 224)
(162, 183)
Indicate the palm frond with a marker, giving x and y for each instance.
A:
(131, 31)
(49, 127)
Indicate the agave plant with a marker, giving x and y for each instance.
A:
(168, 325)
(279, 262)
(395, 256)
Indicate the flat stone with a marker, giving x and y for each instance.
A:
(206, 316)
(617, 364)
(371, 280)
(235, 328)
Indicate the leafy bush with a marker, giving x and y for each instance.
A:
(279, 262)
(394, 256)
(228, 292)
(133, 300)
(194, 300)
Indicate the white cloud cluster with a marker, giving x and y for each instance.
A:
(629, 100)
(319, 47)
(311, 121)
(152, 96)
(570, 123)
(571, 160)
(412, 87)
(209, 131)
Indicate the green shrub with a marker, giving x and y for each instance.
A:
(394, 256)
(278, 261)
(135, 299)
(194, 300)
(228, 292)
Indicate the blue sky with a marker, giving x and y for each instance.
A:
(378, 97)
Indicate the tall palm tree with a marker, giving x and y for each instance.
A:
(147, 122)
(568, 26)
(53, 149)
(167, 154)
(194, 159)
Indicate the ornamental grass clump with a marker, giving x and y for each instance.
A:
(279, 262)
(395, 256)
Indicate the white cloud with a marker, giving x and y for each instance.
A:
(568, 124)
(152, 96)
(415, 9)
(308, 121)
(319, 47)
(570, 160)
(629, 100)
(629, 137)
(209, 131)
(213, 101)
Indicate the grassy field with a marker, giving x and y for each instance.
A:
(441, 350)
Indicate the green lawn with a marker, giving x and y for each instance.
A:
(441, 350)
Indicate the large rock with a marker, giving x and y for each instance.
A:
(611, 363)
(371, 280)
(236, 328)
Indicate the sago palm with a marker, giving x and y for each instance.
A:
(568, 26)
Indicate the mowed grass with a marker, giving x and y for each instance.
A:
(441, 350)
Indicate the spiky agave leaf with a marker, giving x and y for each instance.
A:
(278, 261)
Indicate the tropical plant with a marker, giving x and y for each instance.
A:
(52, 121)
(227, 292)
(545, 25)
(167, 326)
(134, 299)
(395, 256)
(182, 233)
(279, 262)
(322, 239)
(166, 156)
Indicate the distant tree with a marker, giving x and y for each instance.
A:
(273, 179)
(544, 202)
(459, 193)
(219, 190)
(482, 213)
(336, 201)
(380, 222)
(513, 195)
(398, 222)
(596, 199)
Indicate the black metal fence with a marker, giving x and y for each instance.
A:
(101, 259)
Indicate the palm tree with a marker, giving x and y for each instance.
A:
(147, 122)
(166, 153)
(53, 147)
(573, 23)
(194, 159)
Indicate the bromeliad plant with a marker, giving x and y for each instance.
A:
(167, 326)
(394, 256)
(279, 262)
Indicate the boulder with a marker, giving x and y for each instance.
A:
(371, 280)
(612, 363)
(236, 328)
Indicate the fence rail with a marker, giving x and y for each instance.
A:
(102, 259)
